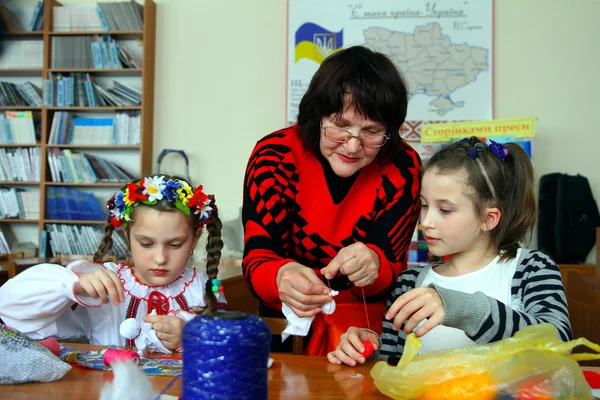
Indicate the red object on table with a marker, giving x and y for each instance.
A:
(368, 349)
(51, 344)
(592, 378)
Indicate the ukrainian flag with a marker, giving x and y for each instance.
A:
(316, 43)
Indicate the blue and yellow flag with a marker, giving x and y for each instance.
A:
(316, 43)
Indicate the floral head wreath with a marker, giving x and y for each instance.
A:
(151, 190)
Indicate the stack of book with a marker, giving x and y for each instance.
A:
(71, 167)
(20, 164)
(23, 94)
(100, 52)
(82, 90)
(22, 54)
(13, 24)
(122, 129)
(18, 203)
(4, 247)
(73, 205)
(113, 16)
(19, 127)
(81, 239)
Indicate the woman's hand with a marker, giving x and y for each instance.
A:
(358, 262)
(301, 289)
(351, 345)
(413, 307)
(168, 329)
(100, 283)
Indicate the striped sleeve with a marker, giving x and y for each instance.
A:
(392, 341)
(537, 283)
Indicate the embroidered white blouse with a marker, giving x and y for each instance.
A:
(40, 302)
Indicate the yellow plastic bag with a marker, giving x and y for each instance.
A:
(533, 364)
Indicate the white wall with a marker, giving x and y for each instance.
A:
(220, 86)
(220, 83)
(547, 58)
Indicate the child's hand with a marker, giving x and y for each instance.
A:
(350, 347)
(413, 307)
(100, 283)
(168, 329)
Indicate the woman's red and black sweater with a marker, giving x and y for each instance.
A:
(296, 209)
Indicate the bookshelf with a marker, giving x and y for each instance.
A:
(138, 155)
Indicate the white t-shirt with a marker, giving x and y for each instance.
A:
(494, 280)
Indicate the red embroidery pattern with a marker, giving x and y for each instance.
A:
(159, 302)
(180, 299)
(132, 310)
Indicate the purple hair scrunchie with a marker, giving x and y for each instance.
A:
(499, 150)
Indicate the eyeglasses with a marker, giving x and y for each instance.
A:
(367, 139)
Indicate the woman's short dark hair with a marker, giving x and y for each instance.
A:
(377, 88)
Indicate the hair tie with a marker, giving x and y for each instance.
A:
(498, 149)
(473, 153)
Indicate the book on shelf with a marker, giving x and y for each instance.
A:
(72, 167)
(82, 239)
(22, 54)
(88, 149)
(36, 22)
(82, 90)
(4, 247)
(15, 24)
(113, 16)
(19, 203)
(97, 51)
(124, 128)
(22, 94)
(20, 127)
(20, 164)
(74, 205)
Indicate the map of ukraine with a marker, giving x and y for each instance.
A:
(430, 63)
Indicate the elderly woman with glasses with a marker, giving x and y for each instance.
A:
(331, 203)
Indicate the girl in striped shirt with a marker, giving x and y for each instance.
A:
(478, 204)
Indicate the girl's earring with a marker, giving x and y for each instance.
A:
(192, 252)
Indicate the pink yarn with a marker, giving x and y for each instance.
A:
(116, 355)
(51, 344)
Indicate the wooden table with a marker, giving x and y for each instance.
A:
(290, 377)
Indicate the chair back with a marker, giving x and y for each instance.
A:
(277, 326)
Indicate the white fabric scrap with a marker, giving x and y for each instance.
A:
(299, 326)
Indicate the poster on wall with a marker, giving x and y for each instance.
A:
(443, 49)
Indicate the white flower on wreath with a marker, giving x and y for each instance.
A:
(153, 187)
(116, 213)
(204, 211)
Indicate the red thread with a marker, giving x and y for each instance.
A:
(367, 344)
(115, 355)
(368, 325)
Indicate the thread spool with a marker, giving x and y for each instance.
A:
(225, 356)
(116, 355)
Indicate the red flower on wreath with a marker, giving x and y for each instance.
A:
(134, 193)
(199, 198)
(116, 222)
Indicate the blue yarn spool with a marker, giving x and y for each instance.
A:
(225, 356)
